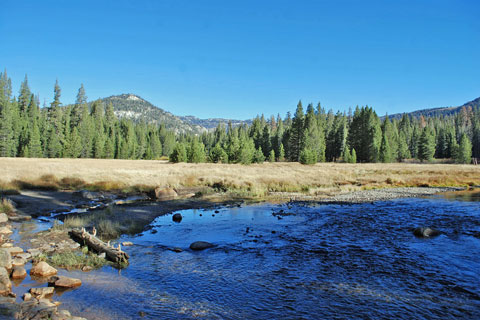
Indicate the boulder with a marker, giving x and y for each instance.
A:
(87, 195)
(177, 217)
(5, 283)
(426, 232)
(127, 243)
(19, 272)
(27, 296)
(64, 282)
(87, 269)
(5, 230)
(19, 218)
(164, 194)
(201, 245)
(41, 293)
(18, 262)
(34, 252)
(7, 245)
(3, 218)
(5, 259)
(43, 269)
(14, 250)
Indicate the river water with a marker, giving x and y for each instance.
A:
(321, 262)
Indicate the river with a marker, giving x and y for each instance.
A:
(297, 262)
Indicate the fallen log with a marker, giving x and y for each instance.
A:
(92, 242)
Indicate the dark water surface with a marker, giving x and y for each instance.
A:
(324, 262)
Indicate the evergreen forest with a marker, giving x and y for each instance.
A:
(311, 135)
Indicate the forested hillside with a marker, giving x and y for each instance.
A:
(309, 136)
(137, 109)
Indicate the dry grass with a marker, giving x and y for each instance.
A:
(6, 206)
(257, 179)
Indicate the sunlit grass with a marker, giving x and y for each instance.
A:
(256, 180)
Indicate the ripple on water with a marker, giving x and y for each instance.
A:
(330, 261)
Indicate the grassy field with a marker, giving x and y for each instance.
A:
(257, 179)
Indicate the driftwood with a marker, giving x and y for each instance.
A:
(111, 253)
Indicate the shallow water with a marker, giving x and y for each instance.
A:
(324, 262)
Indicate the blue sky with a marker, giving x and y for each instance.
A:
(237, 59)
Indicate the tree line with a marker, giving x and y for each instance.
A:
(313, 135)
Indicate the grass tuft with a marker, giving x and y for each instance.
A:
(6, 206)
(73, 260)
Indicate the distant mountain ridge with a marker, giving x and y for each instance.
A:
(436, 112)
(131, 106)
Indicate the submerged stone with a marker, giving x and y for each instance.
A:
(177, 217)
(201, 245)
(427, 232)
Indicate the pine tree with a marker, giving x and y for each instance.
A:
(258, 156)
(218, 155)
(271, 156)
(426, 145)
(34, 143)
(247, 150)
(281, 154)
(365, 134)
(179, 153)
(385, 150)
(346, 155)
(297, 134)
(353, 157)
(155, 146)
(314, 137)
(196, 152)
(464, 153)
(308, 156)
(74, 149)
(24, 96)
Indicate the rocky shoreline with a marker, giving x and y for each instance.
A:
(386, 194)
(37, 301)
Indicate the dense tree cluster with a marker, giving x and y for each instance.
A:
(92, 130)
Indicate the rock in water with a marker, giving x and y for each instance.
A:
(40, 293)
(19, 272)
(43, 269)
(5, 230)
(201, 245)
(177, 217)
(64, 282)
(5, 284)
(422, 232)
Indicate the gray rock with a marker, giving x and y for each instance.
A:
(201, 245)
(426, 232)
(5, 283)
(3, 218)
(5, 259)
(88, 195)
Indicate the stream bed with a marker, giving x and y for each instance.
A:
(296, 262)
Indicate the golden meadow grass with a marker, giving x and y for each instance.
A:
(255, 179)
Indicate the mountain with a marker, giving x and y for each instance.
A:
(131, 106)
(212, 123)
(435, 112)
